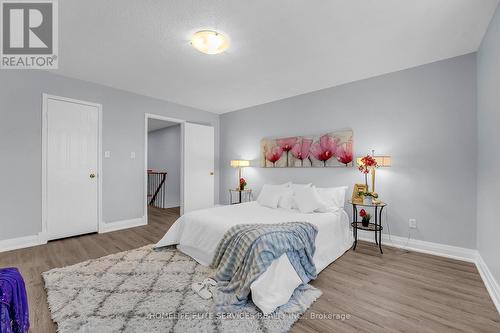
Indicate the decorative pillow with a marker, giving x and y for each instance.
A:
(334, 197)
(270, 195)
(307, 200)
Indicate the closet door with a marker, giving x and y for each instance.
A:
(71, 186)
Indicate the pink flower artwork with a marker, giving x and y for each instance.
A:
(324, 149)
(333, 149)
(344, 153)
(286, 144)
(274, 154)
(301, 150)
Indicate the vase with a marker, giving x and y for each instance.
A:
(242, 187)
(367, 200)
(365, 223)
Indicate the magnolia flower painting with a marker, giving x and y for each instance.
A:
(328, 150)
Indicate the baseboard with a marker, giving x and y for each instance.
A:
(442, 250)
(489, 281)
(124, 224)
(19, 243)
(448, 251)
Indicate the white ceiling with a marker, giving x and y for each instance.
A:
(156, 124)
(279, 48)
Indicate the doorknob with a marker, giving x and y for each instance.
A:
(211, 173)
(92, 175)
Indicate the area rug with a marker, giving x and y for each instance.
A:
(146, 290)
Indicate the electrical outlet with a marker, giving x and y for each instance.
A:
(132, 155)
(107, 154)
(412, 223)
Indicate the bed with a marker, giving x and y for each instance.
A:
(198, 233)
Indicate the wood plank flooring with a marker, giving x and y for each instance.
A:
(396, 292)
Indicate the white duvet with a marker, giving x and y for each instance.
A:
(198, 233)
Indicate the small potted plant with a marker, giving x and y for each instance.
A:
(368, 197)
(243, 183)
(365, 218)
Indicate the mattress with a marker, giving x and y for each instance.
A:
(198, 233)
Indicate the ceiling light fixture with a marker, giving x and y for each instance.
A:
(209, 42)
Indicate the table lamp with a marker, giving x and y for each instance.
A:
(239, 164)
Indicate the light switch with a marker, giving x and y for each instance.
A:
(132, 155)
(107, 154)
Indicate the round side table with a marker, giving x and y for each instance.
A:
(376, 227)
(242, 194)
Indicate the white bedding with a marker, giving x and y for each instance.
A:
(198, 233)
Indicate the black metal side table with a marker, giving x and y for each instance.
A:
(242, 194)
(375, 227)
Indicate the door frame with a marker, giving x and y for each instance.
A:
(181, 122)
(43, 235)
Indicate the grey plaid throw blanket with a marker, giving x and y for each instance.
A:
(246, 250)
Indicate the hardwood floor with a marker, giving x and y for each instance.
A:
(395, 292)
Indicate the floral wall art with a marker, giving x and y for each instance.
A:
(328, 150)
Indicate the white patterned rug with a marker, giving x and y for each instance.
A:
(146, 290)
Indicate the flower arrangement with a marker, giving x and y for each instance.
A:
(243, 183)
(367, 164)
(365, 218)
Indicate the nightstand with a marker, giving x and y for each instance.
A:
(241, 196)
(376, 227)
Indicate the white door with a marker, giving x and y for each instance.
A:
(198, 167)
(72, 135)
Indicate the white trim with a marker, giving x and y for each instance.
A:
(489, 281)
(45, 97)
(442, 250)
(19, 243)
(40, 239)
(182, 122)
(124, 224)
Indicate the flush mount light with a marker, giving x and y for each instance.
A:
(209, 42)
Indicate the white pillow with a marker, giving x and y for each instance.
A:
(270, 195)
(286, 199)
(308, 200)
(295, 186)
(334, 197)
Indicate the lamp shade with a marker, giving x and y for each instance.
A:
(239, 163)
(382, 161)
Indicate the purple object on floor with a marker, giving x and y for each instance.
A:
(14, 314)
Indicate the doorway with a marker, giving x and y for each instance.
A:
(164, 164)
(196, 164)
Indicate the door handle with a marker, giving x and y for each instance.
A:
(92, 175)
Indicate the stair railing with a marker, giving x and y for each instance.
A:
(157, 189)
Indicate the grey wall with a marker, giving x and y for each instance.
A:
(488, 180)
(123, 132)
(164, 154)
(424, 117)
